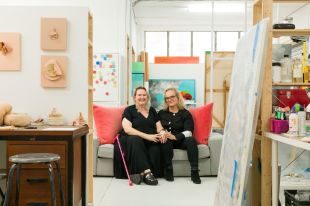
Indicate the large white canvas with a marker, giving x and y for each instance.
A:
(242, 114)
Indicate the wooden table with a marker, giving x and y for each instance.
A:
(46, 139)
(293, 141)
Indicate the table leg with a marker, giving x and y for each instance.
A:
(274, 173)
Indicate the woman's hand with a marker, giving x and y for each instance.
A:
(153, 137)
(170, 136)
(163, 136)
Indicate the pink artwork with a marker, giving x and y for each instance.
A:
(9, 51)
(54, 71)
(53, 34)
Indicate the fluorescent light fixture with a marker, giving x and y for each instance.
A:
(219, 7)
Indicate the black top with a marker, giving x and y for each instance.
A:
(176, 123)
(139, 122)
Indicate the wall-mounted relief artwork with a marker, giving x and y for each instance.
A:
(106, 77)
(53, 34)
(10, 51)
(54, 71)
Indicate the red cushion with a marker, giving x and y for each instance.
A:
(202, 122)
(108, 122)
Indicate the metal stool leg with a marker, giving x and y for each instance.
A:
(62, 200)
(17, 184)
(52, 185)
(9, 185)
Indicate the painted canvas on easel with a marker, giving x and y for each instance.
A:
(106, 77)
(241, 118)
(186, 87)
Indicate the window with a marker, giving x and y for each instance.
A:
(201, 44)
(226, 41)
(156, 44)
(179, 43)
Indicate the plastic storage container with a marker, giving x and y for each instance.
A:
(279, 126)
(276, 72)
(290, 199)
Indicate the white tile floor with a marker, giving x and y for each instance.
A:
(181, 192)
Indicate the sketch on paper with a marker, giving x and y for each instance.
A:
(241, 118)
(157, 87)
(106, 77)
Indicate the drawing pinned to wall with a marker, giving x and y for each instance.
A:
(105, 77)
(187, 88)
(53, 33)
(54, 71)
(9, 51)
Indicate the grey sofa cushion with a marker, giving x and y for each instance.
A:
(106, 151)
(203, 151)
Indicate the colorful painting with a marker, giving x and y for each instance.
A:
(137, 80)
(187, 88)
(106, 77)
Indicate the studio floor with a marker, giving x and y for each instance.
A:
(181, 192)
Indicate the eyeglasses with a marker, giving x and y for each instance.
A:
(169, 98)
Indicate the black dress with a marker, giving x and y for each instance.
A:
(140, 154)
(176, 123)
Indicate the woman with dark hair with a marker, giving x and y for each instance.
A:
(179, 125)
(141, 138)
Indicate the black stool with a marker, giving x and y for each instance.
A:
(2, 177)
(34, 158)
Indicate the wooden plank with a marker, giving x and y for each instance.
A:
(291, 84)
(257, 13)
(90, 112)
(291, 1)
(290, 32)
(266, 107)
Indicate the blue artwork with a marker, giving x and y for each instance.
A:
(187, 88)
(137, 81)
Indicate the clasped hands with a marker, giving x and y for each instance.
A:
(161, 137)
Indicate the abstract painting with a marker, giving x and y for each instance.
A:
(241, 119)
(137, 80)
(54, 34)
(9, 51)
(157, 87)
(106, 77)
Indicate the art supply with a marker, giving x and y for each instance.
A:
(293, 124)
(301, 122)
(276, 72)
(286, 69)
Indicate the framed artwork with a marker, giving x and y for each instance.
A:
(10, 57)
(187, 88)
(54, 34)
(137, 80)
(54, 71)
(106, 77)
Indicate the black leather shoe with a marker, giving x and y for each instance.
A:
(195, 176)
(136, 178)
(168, 174)
(149, 179)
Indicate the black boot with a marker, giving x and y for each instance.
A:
(168, 174)
(195, 176)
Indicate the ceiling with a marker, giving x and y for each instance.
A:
(174, 12)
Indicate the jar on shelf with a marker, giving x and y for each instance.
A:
(286, 69)
(297, 71)
(276, 72)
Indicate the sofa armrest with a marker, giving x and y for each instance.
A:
(215, 146)
(95, 153)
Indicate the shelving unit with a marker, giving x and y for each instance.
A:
(292, 84)
(263, 9)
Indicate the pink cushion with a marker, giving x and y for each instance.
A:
(108, 122)
(202, 122)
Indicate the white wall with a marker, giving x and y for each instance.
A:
(22, 88)
(181, 71)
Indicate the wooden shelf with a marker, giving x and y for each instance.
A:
(291, 1)
(290, 32)
(291, 84)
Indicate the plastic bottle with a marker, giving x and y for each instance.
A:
(301, 122)
(276, 72)
(286, 69)
(297, 71)
(293, 124)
